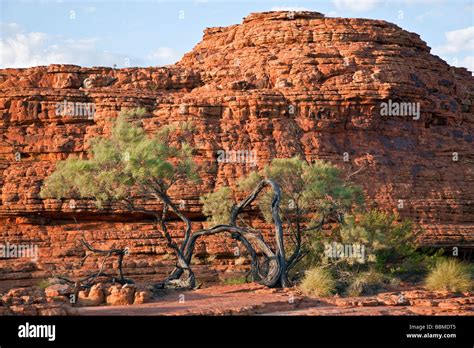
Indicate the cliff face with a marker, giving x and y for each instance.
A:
(279, 84)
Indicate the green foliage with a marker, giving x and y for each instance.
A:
(312, 190)
(326, 189)
(450, 274)
(289, 173)
(217, 205)
(43, 283)
(126, 161)
(234, 280)
(134, 113)
(318, 282)
(366, 283)
(389, 247)
(388, 242)
(318, 188)
(249, 182)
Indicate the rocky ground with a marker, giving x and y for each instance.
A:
(253, 299)
(61, 298)
(241, 299)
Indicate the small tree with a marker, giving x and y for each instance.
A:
(129, 163)
(370, 249)
(311, 196)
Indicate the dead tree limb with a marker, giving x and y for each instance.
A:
(91, 279)
(120, 253)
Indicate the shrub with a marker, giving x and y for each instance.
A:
(44, 283)
(366, 283)
(217, 206)
(381, 244)
(450, 274)
(318, 282)
(234, 280)
(389, 245)
(388, 242)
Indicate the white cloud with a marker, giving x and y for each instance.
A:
(163, 56)
(355, 5)
(458, 48)
(8, 29)
(289, 8)
(457, 41)
(21, 49)
(467, 62)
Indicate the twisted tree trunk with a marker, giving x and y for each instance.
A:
(271, 272)
(274, 273)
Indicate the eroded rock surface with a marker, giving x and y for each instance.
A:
(254, 299)
(280, 84)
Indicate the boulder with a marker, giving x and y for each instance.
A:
(95, 296)
(58, 290)
(121, 295)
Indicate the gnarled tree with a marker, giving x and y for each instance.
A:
(304, 198)
(295, 196)
(129, 164)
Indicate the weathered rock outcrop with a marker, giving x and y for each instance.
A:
(280, 84)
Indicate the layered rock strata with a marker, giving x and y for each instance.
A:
(278, 85)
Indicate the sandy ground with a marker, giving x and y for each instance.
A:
(253, 299)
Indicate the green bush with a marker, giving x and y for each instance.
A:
(217, 206)
(366, 283)
(44, 283)
(390, 245)
(234, 280)
(318, 282)
(390, 248)
(388, 242)
(450, 274)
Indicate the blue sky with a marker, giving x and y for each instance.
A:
(159, 32)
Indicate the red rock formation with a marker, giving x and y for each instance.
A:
(280, 84)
